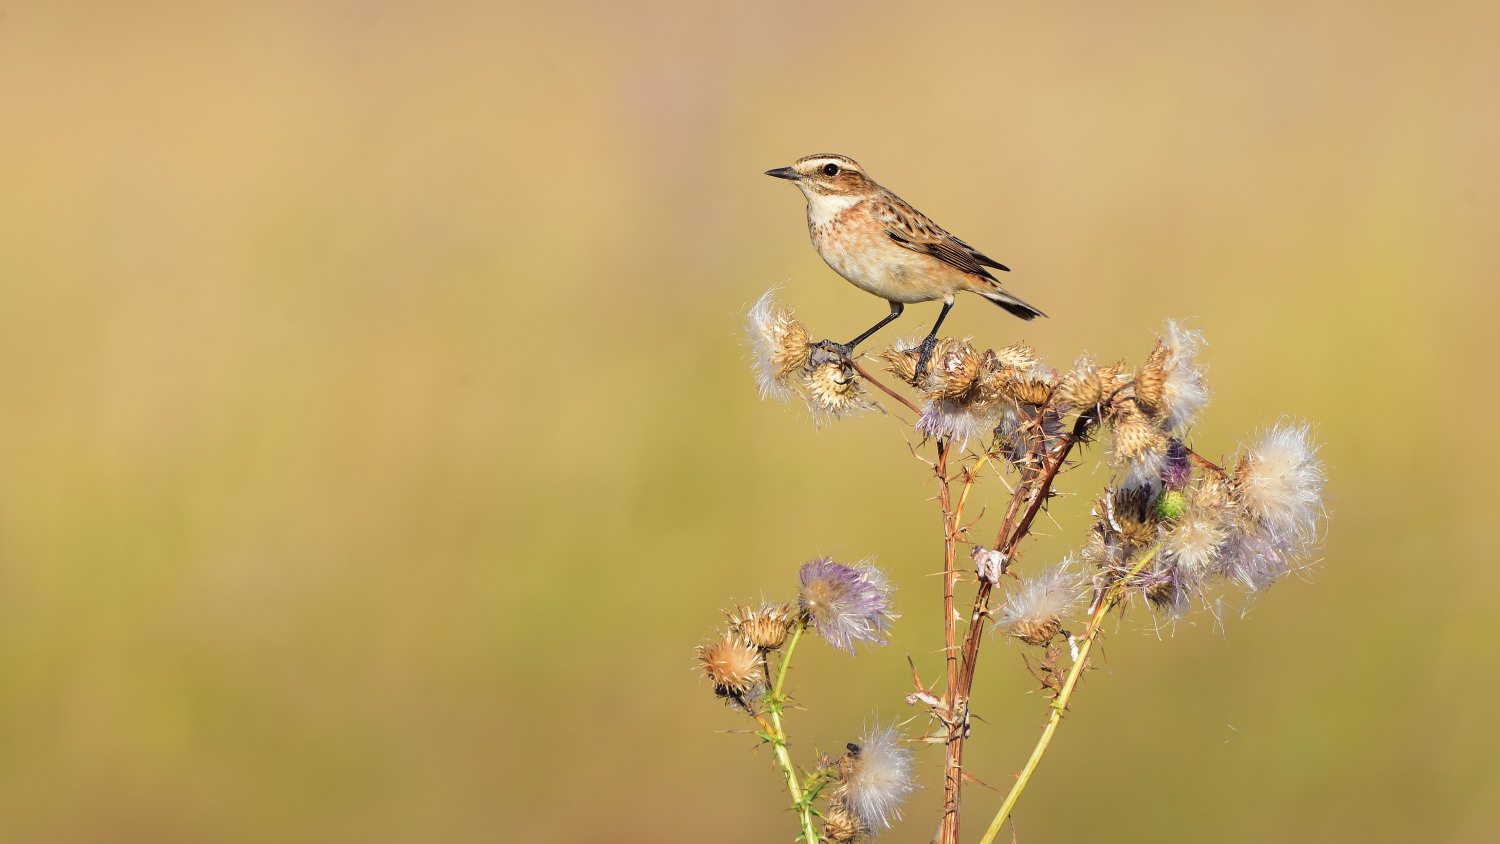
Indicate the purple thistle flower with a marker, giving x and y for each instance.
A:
(845, 604)
(1176, 470)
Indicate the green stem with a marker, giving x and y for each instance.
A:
(778, 739)
(1060, 703)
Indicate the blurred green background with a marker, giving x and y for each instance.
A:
(376, 439)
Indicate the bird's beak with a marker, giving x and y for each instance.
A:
(784, 173)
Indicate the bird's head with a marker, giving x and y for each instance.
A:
(826, 176)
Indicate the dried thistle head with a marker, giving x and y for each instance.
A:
(779, 344)
(765, 627)
(1164, 589)
(901, 361)
(732, 665)
(833, 389)
(1131, 517)
(1035, 612)
(839, 824)
(1015, 356)
(1089, 386)
(1139, 446)
(953, 372)
(1101, 551)
(1134, 433)
(1027, 387)
(1082, 387)
(1151, 379)
(1211, 493)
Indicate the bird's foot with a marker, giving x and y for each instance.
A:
(925, 357)
(840, 351)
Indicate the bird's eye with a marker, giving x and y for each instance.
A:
(830, 169)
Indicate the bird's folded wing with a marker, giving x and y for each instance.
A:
(908, 227)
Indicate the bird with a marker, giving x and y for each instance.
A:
(881, 244)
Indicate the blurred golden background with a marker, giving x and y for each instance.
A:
(376, 438)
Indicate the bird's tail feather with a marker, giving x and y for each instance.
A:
(1010, 303)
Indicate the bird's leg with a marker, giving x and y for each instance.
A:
(930, 341)
(846, 350)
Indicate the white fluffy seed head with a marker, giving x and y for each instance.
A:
(1035, 612)
(1184, 393)
(779, 344)
(878, 778)
(960, 421)
(1197, 542)
(1280, 482)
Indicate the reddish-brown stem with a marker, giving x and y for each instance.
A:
(953, 764)
(1030, 495)
(887, 390)
(950, 538)
(1206, 463)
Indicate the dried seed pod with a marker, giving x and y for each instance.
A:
(1027, 390)
(1109, 376)
(780, 346)
(1159, 356)
(765, 627)
(1097, 553)
(1081, 388)
(1135, 436)
(1089, 386)
(1132, 518)
(902, 363)
(732, 665)
(833, 386)
(1034, 613)
(839, 824)
(1212, 493)
(874, 779)
(792, 349)
(1151, 381)
(954, 370)
(1164, 590)
(1016, 356)
(1036, 632)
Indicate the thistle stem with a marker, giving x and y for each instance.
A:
(777, 733)
(1041, 468)
(887, 390)
(1060, 703)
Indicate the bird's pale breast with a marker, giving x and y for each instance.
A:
(856, 246)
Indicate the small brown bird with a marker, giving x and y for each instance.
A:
(882, 245)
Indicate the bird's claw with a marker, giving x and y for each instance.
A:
(841, 351)
(925, 357)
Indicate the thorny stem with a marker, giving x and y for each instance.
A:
(777, 733)
(1033, 491)
(1206, 463)
(1060, 703)
(953, 760)
(887, 390)
(950, 540)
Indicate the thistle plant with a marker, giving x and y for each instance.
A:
(1170, 532)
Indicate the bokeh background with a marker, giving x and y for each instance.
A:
(376, 439)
